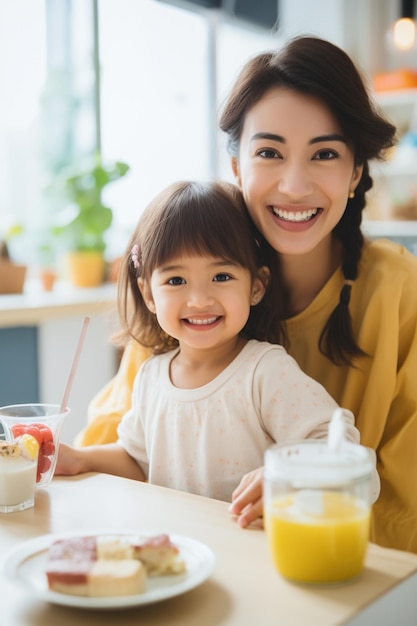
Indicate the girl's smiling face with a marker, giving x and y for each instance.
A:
(204, 302)
(296, 170)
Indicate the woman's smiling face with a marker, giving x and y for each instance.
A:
(296, 170)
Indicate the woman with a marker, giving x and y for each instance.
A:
(302, 131)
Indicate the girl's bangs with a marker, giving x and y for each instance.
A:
(218, 231)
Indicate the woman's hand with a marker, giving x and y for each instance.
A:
(247, 500)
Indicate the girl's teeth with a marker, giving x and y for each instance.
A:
(207, 321)
(295, 216)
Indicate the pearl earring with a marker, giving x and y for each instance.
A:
(351, 194)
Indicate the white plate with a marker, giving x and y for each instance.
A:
(26, 565)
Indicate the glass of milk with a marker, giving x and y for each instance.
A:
(43, 422)
(18, 465)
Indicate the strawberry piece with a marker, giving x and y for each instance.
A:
(45, 432)
(47, 448)
(18, 430)
(35, 432)
(44, 463)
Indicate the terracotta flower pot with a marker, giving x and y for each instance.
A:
(12, 277)
(47, 278)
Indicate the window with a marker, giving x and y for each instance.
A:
(163, 71)
(22, 76)
(154, 95)
(159, 71)
(47, 116)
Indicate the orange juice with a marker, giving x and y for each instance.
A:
(318, 536)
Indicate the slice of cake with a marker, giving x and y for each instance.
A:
(108, 565)
(159, 555)
(114, 547)
(73, 567)
(120, 577)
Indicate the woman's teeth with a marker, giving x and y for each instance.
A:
(209, 320)
(295, 216)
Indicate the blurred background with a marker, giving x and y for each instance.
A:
(140, 81)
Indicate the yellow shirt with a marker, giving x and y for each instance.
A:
(381, 392)
(110, 404)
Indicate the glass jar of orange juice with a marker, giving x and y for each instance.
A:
(317, 509)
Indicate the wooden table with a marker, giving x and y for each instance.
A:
(244, 588)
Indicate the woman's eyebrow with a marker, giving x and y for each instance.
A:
(331, 137)
(281, 139)
(270, 136)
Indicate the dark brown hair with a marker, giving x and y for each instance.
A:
(193, 218)
(313, 66)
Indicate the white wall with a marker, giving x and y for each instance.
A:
(97, 365)
(358, 26)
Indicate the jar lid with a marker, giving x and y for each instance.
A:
(311, 463)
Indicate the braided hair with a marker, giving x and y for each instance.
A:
(316, 67)
(336, 339)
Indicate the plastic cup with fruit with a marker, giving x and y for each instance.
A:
(42, 422)
(18, 467)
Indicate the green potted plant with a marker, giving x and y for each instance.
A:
(86, 219)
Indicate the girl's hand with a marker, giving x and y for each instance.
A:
(108, 458)
(247, 500)
(68, 463)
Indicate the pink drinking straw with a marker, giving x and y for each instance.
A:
(74, 365)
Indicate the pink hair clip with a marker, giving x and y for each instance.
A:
(135, 255)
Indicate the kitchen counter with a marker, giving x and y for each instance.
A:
(35, 306)
(38, 334)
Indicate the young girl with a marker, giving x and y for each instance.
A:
(193, 290)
